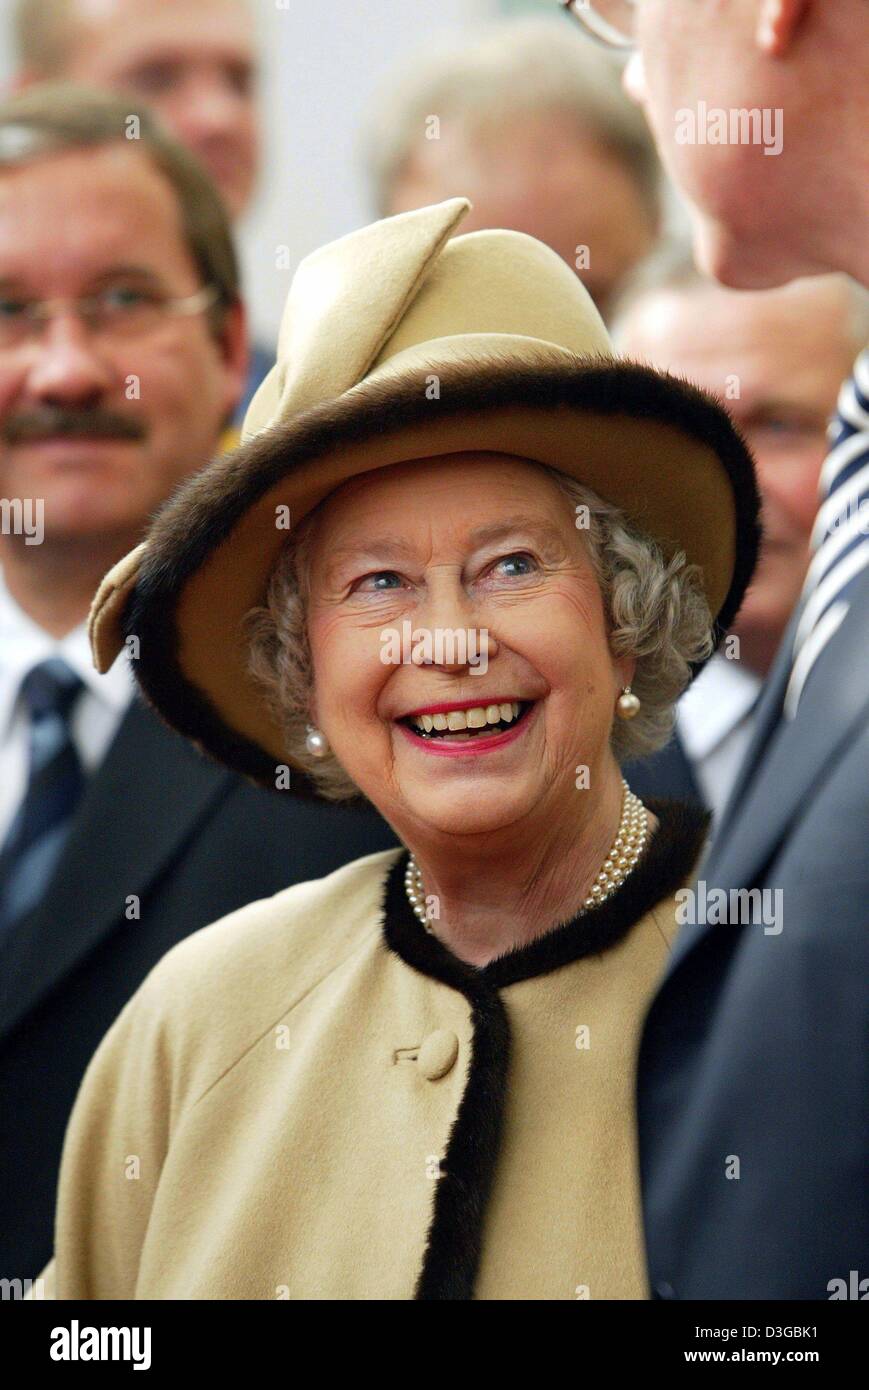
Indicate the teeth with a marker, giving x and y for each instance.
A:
(476, 718)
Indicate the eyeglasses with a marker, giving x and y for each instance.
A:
(609, 21)
(117, 312)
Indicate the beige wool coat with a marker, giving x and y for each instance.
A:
(314, 1099)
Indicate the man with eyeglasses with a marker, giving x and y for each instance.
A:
(122, 355)
(195, 64)
(753, 1069)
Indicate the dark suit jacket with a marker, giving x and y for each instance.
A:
(668, 773)
(756, 1048)
(193, 842)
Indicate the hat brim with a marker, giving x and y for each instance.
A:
(663, 451)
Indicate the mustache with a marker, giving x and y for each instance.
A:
(50, 421)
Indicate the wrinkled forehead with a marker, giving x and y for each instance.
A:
(451, 502)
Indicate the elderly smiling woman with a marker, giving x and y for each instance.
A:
(414, 1078)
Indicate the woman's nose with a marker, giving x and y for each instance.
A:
(453, 629)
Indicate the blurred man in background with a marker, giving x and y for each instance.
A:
(752, 1069)
(531, 124)
(122, 352)
(194, 64)
(780, 384)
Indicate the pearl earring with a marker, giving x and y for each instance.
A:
(316, 742)
(628, 704)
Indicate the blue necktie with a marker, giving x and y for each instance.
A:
(840, 540)
(55, 784)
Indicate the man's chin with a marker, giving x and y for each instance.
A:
(733, 259)
(114, 541)
(89, 519)
(68, 474)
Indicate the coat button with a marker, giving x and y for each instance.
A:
(438, 1053)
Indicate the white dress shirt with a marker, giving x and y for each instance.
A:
(714, 720)
(96, 715)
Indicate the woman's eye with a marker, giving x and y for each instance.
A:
(371, 583)
(516, 566)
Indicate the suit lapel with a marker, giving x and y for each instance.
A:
(143, 802)
(765, 723)
(834, 702)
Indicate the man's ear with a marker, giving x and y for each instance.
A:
(777, 24)
(233, 345)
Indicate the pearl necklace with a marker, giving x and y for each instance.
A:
(626, 850)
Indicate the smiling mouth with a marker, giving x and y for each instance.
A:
(463, 726)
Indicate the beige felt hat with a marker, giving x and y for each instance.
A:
(398, 342)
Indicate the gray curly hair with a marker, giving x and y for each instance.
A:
(655, 609)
